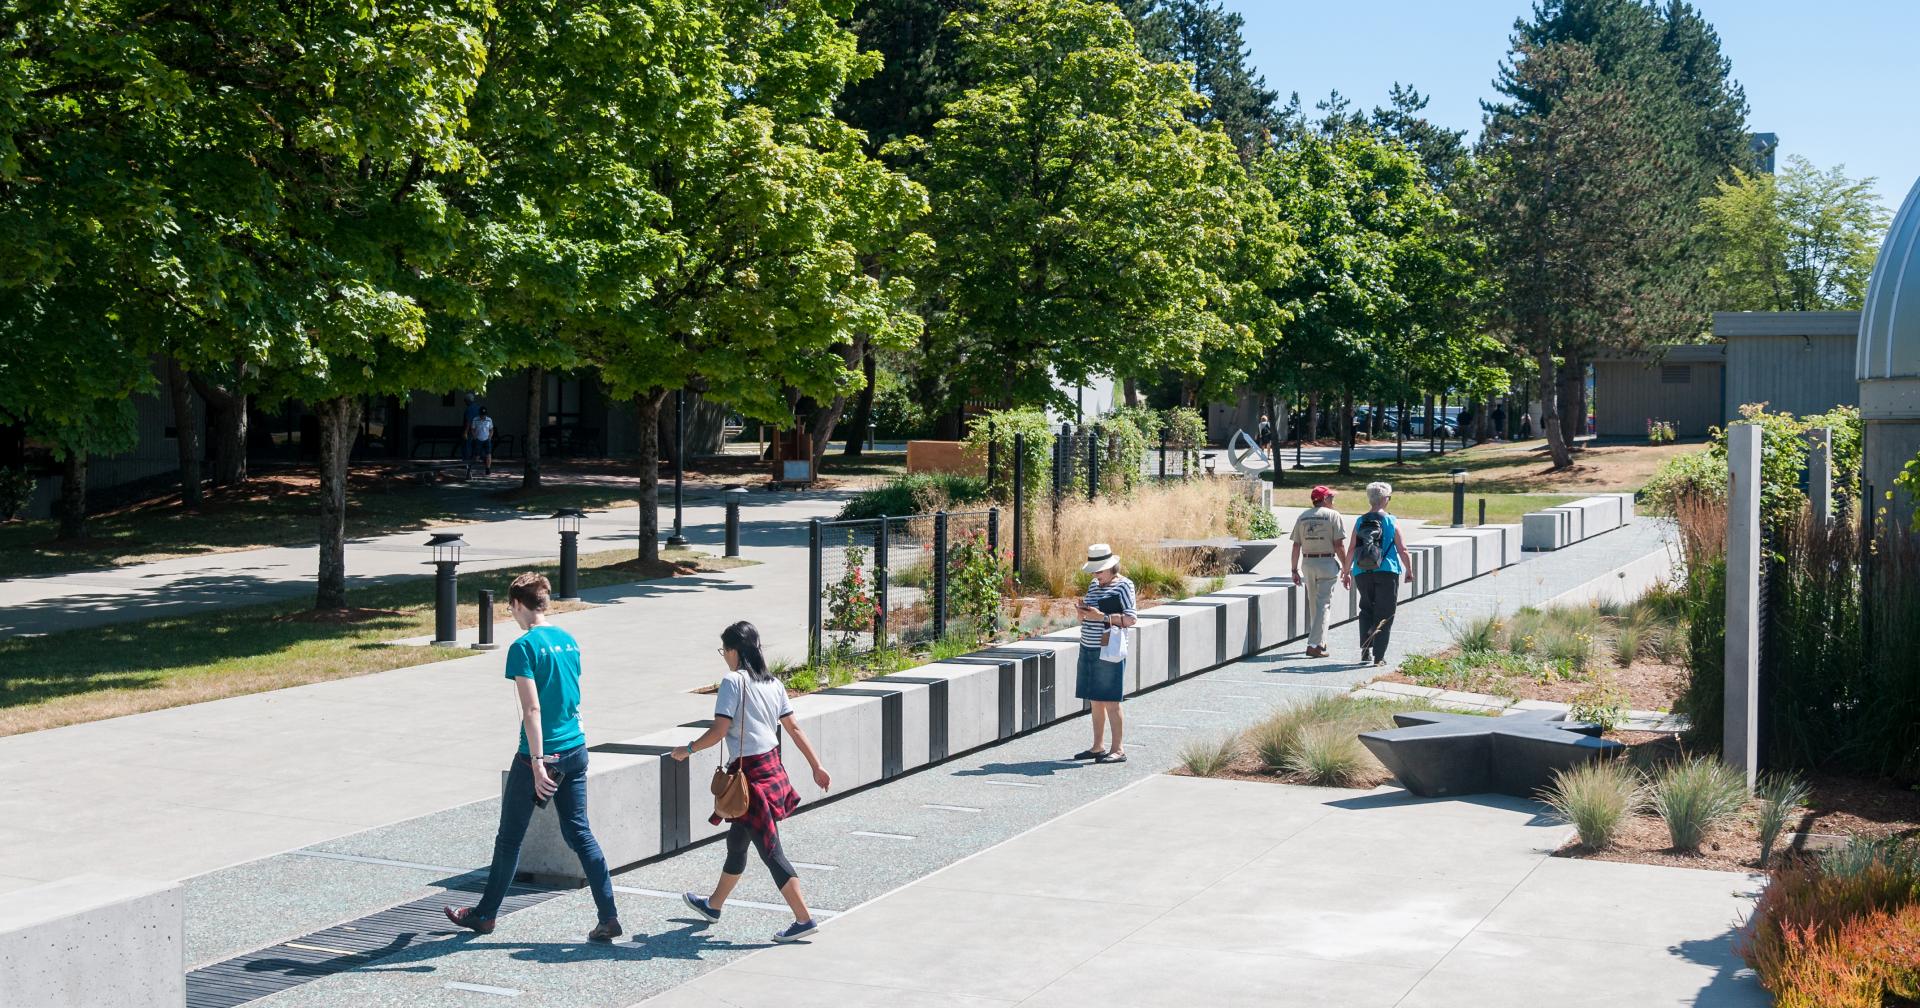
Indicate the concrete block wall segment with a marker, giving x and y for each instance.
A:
(923, 717)
(846, 732)
(1225, 622)
(93, 940)
(1575, 527)
(1268, 606)
(973, 703)
(1149, 662)
(1457, 554)
(1543, 530)
(1417, 563)
(624, 805)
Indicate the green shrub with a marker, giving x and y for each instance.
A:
(1595, 798)
(1524, 630)
(1207, 757)
(1781, 796)
(1000, 427)
(1570, 646)
(1600, 703)
(914, 493)
(16, 490)
(895, 413)
(1701, 475)
(1426, 670)
(1694, 796)
(1476, 634)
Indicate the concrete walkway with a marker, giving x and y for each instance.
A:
(1181, 891)
(173, 793)
(185, 585)
(855, 850)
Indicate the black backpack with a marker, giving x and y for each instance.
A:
(1369, 542)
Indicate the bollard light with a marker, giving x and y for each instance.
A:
(1459, 496)
(678, 539)
(446, 547)
(569, 520)
(486, 642)
(734, 496)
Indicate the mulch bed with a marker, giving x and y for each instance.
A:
(1650, 685)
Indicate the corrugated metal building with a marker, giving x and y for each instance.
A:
(1795, 362)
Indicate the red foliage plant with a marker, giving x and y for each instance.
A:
(1821, 939)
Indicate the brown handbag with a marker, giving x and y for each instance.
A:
(730, 793)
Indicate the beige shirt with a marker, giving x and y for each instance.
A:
(1318, 529)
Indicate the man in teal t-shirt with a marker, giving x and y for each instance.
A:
(550, 657)
(544, 667)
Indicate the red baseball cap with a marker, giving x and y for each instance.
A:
(1320, 493)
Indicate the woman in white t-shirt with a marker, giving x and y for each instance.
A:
(748, 713)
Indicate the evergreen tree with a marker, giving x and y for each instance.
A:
(1209, 37)
(1439, 149)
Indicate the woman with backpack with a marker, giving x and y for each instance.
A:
(749, 713)
(1379, 563)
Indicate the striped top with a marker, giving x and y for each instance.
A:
(1092, 630)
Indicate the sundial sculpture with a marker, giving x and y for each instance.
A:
(1435, 755)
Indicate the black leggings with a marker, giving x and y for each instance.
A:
(739, 836)
(1379, 597)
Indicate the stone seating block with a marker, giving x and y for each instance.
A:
(93, 940)
(1455, 560)
(1227, 624)
(1269, 608)
(846, 731)
(1150, 663)
(1484, 545)
(1191, 633)
(973, 703)
(1546, 530)
(627, 796)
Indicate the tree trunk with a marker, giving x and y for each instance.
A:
(186, 428)
(863, 406)
(73, 497)
(1482, 421)
(1550, 413)
(647, 414)
(1313, 416)
(1132, 390)
(1400, 436)
(530, 438)
(1573, 398)
(229, 414)
(339, 423)
(1346, 434)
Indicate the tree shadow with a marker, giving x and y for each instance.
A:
(1034, 768)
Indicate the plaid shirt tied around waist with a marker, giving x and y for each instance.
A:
(771, 797)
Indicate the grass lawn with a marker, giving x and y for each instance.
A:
(1514, 477)
(281, 509)
(103, 672)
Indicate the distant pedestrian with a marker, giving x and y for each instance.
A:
(1500, 421)
(544, 665)
(748, 713)
(1379, 562)
(467, 446)
(1526, 426)
(1320, 538)
(1265, 437)
(1108, 608)
(483, 439)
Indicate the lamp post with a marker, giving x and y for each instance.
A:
(446, 548)
(734, 497)
(677, 540)
(1459, 496)
(569, 519)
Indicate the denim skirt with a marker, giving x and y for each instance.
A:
(1100, 680)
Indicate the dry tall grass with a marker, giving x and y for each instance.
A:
(1134, 526)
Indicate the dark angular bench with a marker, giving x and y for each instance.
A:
(1437, 755)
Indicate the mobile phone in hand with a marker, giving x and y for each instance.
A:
(539, 802)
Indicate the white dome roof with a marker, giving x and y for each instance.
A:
(1889, 345)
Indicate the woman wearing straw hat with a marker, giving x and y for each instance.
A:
(1107, 608)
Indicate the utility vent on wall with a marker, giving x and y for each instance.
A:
(1676, 374)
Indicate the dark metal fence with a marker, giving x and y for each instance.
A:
(878, 582)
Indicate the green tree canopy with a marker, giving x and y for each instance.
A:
(1800, 240)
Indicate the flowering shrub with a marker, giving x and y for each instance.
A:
(978, 579)
(1660, 431)
(852, 608)
(1843, 932)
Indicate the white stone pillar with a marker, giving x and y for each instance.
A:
(1820, 474)
(1740, 745)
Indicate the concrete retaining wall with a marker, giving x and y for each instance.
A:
(93, 940)
(1559, 527)
(645, 805)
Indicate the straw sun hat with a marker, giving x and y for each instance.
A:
(1100, 557)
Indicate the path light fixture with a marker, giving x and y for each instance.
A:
(734, 496)
(446, 547)
(1459, 496)
(678, 539)
(569, 520)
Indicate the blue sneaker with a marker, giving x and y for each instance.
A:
(699, 906)
(796, 931)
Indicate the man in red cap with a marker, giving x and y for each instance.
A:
(1320, 538)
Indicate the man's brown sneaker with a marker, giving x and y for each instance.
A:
(607, 931)
(463, 917)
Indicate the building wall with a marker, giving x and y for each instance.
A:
(1792, 373)
(1629, 393)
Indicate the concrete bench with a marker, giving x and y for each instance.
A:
(1485, 549)
(1543, 531)
(93, 940)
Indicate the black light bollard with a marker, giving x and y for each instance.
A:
(815, 589)
(678, 540)
(734, 497)
(485, 643)
(993, 547)
(880, 585)
(569, 519)
(939, 574)
(446, 548)
(1459, 496)
(1483, 510)
(993, 462)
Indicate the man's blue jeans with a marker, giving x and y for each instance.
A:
(516, 810)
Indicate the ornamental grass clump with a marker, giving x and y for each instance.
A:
(1695, 796)
(1781, 796)
(1595, 798)
(1207, 757)
(1330, 754)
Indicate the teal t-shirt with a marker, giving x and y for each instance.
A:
(550, 657)
(1389, 557)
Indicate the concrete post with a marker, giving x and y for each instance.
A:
(1740, 744)
(1820, 474)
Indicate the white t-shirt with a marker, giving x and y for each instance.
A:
(483, 428)
(766, 704)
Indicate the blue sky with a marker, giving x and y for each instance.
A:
(1838, 80)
